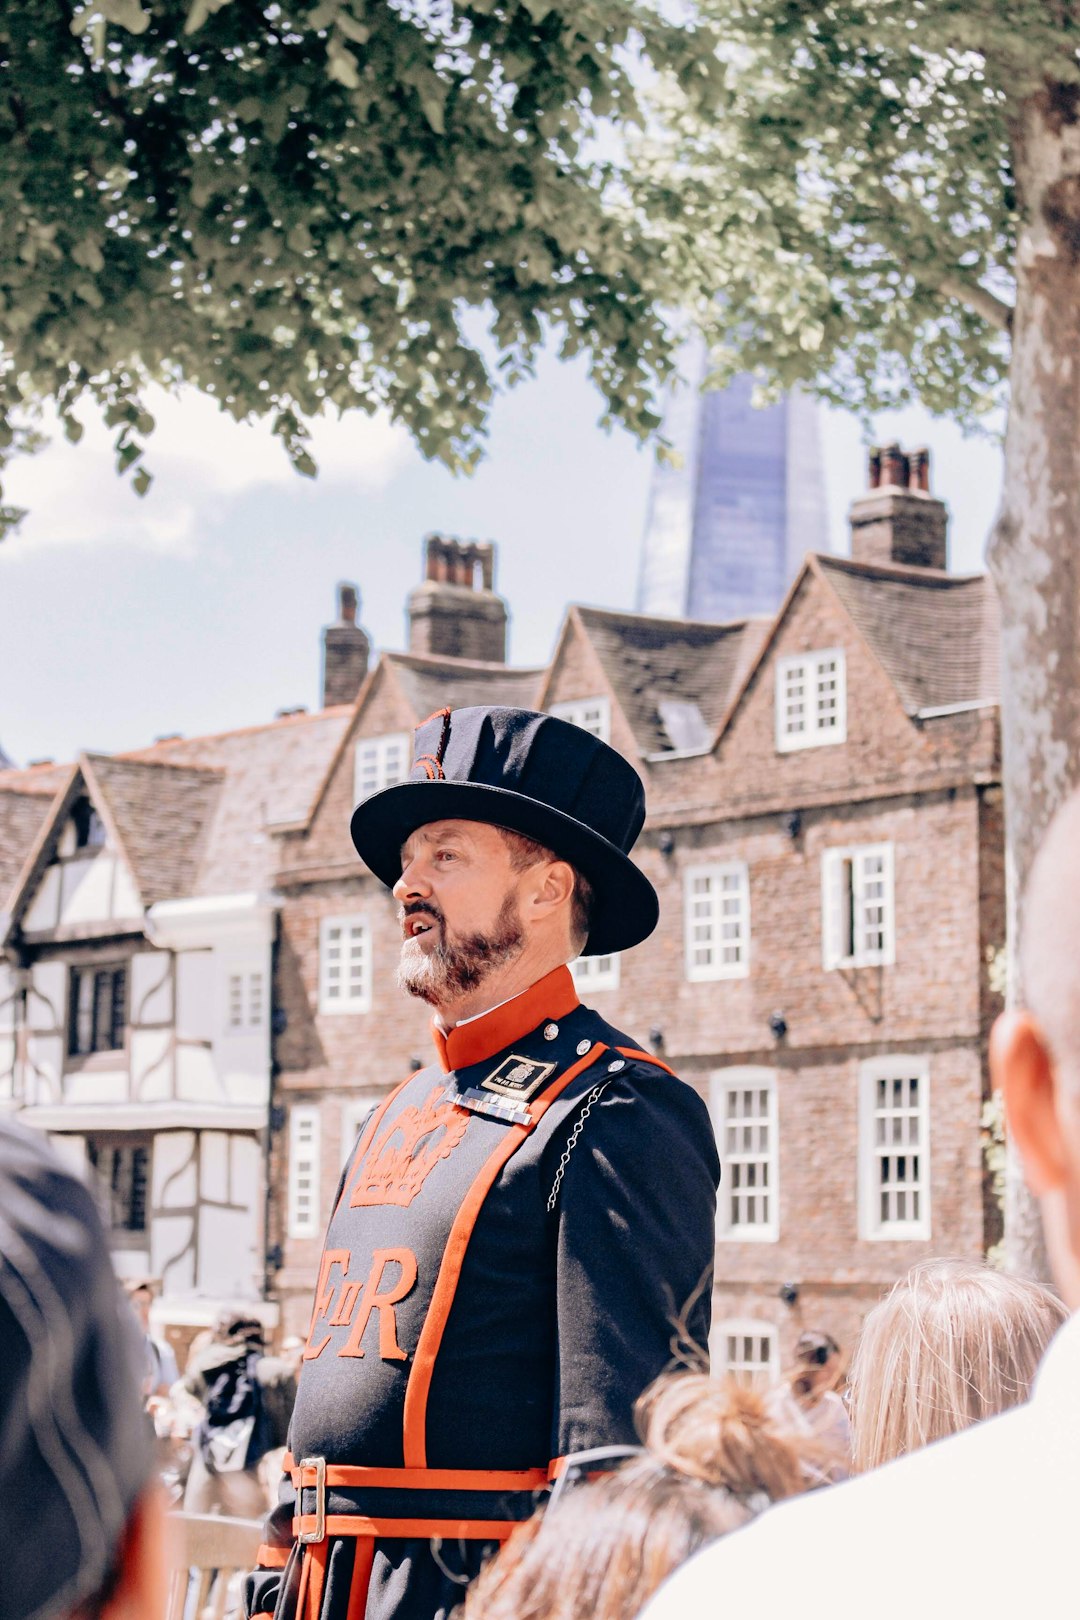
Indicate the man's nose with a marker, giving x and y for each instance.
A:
(413, 884)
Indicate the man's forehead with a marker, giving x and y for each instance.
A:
(431, 832)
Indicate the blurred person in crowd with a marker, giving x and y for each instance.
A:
(807, 1402)
(952, 1343)
(83, 1521)
(161, 1369)
(982, 1522)
(713, 1458)
(247, 1399)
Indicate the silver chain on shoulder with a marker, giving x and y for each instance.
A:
(594, 1096)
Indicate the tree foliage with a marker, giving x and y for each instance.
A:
(850, 192)
(293, 206)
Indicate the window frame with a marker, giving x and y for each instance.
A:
(832, 861)
(345, 1004)
(745, 1327)
(122, 1237)
(697, 973)
(248, 980)
(722, 1083)
(892, 1066)
(382, 746)
(574, 707)
(77, 971)
(589, 974)
(816, 735)
(306, 1158)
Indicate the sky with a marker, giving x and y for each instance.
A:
(199, 607)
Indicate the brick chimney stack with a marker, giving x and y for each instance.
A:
(455, 612)
(897, 520)
(346, 650)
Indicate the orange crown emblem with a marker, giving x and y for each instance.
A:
(400, 1160)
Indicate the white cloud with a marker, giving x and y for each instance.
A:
(198, 456)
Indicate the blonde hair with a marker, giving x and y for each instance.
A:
(952, 1343)
(713, 1458)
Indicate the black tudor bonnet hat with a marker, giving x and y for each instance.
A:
(534, 774)
(75, 1451)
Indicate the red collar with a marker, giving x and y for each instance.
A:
(553, 996)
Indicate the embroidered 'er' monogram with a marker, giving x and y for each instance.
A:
(393, 1171)
(375, 1293)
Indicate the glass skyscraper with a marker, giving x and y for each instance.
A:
(728, 527)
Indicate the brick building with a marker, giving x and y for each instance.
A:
(825, 833)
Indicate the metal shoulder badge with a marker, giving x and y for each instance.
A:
(504, 1092)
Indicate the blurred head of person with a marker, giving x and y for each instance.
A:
(815, 1366)
(712, 1460)
(246, 1332)
(952, 1343)
(1035, 1049)
(83, 1521)
(140, 1297)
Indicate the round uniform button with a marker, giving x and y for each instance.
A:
(550, 1031)
(583, 1047)
(613, 1068)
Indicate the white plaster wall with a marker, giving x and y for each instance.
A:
(151, 1064)
(93, 1085)
(195, 998)
(43, 1081)
(72, 1149)
(174, 1184)
(97, 889)
(44, 909)
(45, 1002)
(151, 987)
(196, 1075)
(229, 1258)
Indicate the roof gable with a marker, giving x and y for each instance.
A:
(22, 816)
(937, 636)
(162, 814)
(671, 678)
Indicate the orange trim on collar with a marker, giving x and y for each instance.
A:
(553, 996)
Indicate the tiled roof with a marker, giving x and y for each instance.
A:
(673, 677)
(936, 635)
(271, 775)
(44, 779)
(431, 683)
(164, 814)
(22, 816)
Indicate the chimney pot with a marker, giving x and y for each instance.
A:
(894, 467)
(450, 614)
(873, 469)
(898, 520)
(345, 650)
(348, 598)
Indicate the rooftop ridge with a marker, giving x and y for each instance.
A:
(671, 619)
(898, 571)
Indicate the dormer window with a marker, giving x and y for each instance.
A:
(591, 714)
(811, 700)
(381, 762)
(89, 827)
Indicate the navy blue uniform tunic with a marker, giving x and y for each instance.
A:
(521, 1242)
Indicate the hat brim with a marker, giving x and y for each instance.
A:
(625, 909)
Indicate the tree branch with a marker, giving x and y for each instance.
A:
(983, 302)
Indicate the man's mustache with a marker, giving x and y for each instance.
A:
(420, 908)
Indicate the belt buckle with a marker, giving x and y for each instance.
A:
(309, 1537)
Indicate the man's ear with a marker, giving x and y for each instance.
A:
(1023, 1070)
(142, 1582)
(551, 886)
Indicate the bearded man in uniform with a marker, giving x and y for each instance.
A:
(522, 1239)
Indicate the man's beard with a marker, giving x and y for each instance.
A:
(454, 967)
